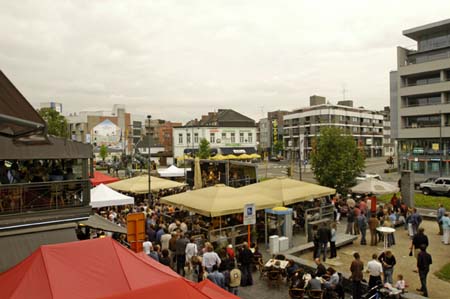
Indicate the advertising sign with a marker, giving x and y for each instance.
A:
(249, 214)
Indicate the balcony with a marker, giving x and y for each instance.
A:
(47, 196)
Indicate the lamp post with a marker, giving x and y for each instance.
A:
(149, 117)
(441, 149)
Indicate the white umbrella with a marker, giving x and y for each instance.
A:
(375, 186)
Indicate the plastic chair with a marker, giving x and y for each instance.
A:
(315, 294)
(296, 293)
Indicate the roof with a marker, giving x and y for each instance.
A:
(417, 32)
(104, 196)
(222, 118)
(58, 148)
(17, 116)
(98, 222)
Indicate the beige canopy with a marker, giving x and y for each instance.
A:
(218, 200)
(139, 184)
(287, 190)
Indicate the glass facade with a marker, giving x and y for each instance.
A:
(433, 99)
(434, 41)
(422, 121)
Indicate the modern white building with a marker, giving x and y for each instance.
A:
(227, 131)
(303, 125)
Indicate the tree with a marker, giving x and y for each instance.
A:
(278, 147)
(336, 159)
(56, 123)
(203, 149)
(103, 152)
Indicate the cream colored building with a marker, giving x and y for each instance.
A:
(420, 100)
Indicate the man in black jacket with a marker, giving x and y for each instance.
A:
(423, 266)
(324, 236)
(246, 259)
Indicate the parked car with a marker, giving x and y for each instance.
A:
(427, 180)
(437, 186)
(274, 159)
(365, 176)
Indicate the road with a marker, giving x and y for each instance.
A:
(275, 169)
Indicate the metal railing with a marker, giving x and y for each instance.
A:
(25, 197)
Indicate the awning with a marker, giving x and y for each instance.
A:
(139, 184)
(237, 150)
(190, 151)
(16, 245)
(59, 148)
(101, 178)
(98, 222)
(17, 116)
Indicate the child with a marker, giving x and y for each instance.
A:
(401, 283)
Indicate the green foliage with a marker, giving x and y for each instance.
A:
(336, 159)
(278, 147)
(422, 201)
(103, 152)
(444, 273)
(203, 150)
(56, 123)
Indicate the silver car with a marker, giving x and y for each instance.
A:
(438, 186)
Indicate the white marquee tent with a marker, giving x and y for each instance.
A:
(103, 196)
(172, 171)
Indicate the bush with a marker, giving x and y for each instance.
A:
(422, 201)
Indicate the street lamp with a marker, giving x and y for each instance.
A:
(149, 117)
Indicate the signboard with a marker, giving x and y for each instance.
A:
(249, 214)
(418, 151)
(435, 146)
(368, 141)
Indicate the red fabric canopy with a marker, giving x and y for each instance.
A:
(97, 268)
(101, 178)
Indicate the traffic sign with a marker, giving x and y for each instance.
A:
(249, 214)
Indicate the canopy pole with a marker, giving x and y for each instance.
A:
(265, 231)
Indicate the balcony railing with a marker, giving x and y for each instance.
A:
(26, 197)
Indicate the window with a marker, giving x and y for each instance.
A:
(195, 137)
(180, 138)
(212, 138)
(433, 99)
(233, 138)
(422, 121)
(250, 137)
(188, 138)
(224, 136)
(241, 137)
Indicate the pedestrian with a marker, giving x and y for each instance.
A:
(235, 280)
(210, 258)
(165, 260)
(387, 260)
(416, 220)
(446, 228)
(362, 225)
(180, 251)
(333, 252)
(146, 246)
(424, 261)
(216, 277)
(315, 238)
(418, 240)
(324, 234)
(356, 213)
(440, 213)
(246, 260)
(373, 224)
(356, 268)
(320, 269)
(375, 270)
(350, 221)
(191, 251)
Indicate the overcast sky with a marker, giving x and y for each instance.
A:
(179, 59)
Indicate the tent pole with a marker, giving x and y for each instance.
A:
(265, 231)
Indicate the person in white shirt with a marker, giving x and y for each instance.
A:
(210, 258)
(165, 240)
(146, 246)
(375, 269)
(191, 250)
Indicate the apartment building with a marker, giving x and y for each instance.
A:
(420, 100)
(303, 125)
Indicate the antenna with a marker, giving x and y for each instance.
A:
(344, 91)
(262, 110)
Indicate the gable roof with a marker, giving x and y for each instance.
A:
(17, 116)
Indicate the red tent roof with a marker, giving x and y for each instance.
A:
(95, 268)
(101, 178)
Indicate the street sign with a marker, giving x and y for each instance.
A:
(249, 214)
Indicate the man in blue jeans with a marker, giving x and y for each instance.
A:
(324, 236)
(387, 260)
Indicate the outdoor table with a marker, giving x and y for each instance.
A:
(385, 230)
(272, 262)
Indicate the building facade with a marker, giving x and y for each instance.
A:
(420, 100)
(303, 125)
(226, 130)
(388, 141)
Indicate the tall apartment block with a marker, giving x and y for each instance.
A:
(420, 100)
(303, 125)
